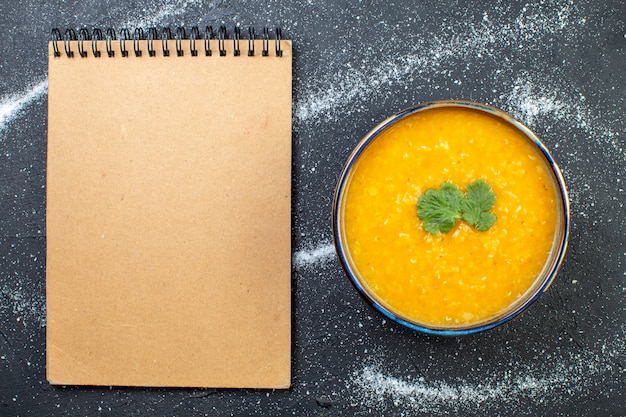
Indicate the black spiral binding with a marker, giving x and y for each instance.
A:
(167, 35)
(221, 39)
(124, 36)
(110, 37)
(152, 36)
(138, 35)
(208, 35)
(56, 38)
(195, 34)
(70, 35)
(97, 36)
(250, 41)
(83, 35)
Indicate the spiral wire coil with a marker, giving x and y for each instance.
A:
(152, 36)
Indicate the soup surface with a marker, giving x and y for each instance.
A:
(465, 276)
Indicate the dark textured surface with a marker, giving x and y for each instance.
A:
(557, 66)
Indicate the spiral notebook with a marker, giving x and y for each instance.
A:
(169, 209)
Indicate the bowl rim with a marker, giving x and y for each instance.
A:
(541, 285)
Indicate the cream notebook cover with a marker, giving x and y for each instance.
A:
(169, 212)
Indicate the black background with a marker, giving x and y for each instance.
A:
(557, 66)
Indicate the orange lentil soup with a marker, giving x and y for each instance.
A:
(466, 276)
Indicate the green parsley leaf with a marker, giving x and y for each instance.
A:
(479, 199)
(471, 211)
(485, 221)
(440, 208)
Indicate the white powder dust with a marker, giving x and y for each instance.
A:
(24, 307)
(554, 381)
(536, 97)
(528, 105)
(11, 105)
(163, 12)
(320, 254)
(356, 85)
(435, 56)
(534, 104)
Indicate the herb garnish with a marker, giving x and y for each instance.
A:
(441, 208)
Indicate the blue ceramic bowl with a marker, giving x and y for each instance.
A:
(542, 282)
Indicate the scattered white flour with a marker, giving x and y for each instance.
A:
(528, 105)
(380, 388)
(320, 254)
(536, 106)
(355, 86)
(24, 307)
(536, 97)
(11, 105)
(436, 56)
(550, 380)
(163, 12)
